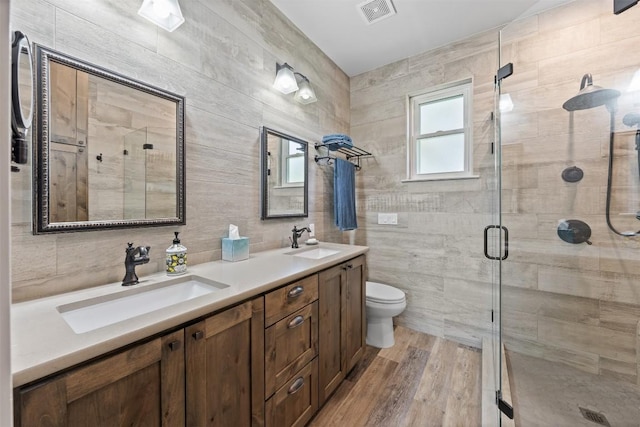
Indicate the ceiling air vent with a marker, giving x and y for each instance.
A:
(376, 10)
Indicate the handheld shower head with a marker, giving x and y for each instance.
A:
(631, 119)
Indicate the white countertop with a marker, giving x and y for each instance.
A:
(42, 343)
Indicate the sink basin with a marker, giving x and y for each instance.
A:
(94, 313)
(317, 253)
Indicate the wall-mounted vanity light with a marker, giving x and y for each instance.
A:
(287, 82)
(163, 13)
(305, 93)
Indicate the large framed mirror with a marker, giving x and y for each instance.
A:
(284, 175)
(109, 149)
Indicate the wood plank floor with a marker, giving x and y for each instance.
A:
(421, 381)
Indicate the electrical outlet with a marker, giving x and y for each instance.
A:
(388, 218)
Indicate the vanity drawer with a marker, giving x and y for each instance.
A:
(284, 301)
(290, 344)
(296, 402)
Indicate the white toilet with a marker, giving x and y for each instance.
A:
(383, 303)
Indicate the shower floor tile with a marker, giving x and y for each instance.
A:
(550, 394)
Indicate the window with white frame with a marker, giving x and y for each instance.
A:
(440, 139)
(292, 173)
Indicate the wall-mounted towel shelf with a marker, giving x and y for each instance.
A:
(352, 153)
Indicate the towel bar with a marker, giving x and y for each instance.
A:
(351, 153)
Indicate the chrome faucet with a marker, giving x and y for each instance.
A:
(135, 256)
(297, 232)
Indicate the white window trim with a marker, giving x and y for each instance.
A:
(462, 87)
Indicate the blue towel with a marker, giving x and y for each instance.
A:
(344, 195)
(337, 136)
(336, 144)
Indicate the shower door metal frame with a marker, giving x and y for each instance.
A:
(502, 240)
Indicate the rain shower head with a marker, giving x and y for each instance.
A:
(590, 96)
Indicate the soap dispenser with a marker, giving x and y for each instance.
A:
(176, 258)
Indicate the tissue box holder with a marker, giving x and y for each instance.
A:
(235, 249)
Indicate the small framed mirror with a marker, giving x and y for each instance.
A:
(21, 96)
(110, 149)
(284, 175)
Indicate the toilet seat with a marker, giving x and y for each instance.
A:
(383, 294)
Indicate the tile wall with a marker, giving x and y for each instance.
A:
(579, 304)
(223, 61)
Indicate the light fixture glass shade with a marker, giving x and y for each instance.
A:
(506, 104)
(305, 93)
(285, 80)
(163, 13)
(634, 86)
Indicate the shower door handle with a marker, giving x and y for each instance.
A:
(506, 242)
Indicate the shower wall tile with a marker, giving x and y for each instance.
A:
(586, 361)
(521, 274)
(526, 27)
(619, 316)
(582, 283)
(520, 325)
(597, 60)
(568, 15)
(602, 341)
(618, 370)
(555, 306)
(550, 251)
(560, 42)
(618, 27)
(620, 259)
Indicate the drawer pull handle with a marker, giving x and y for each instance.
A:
(348, 267)
(297, 321)
(295, 292)
(198, 335)
(174, 345)
(297, 385)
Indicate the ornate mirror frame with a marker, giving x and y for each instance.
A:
(41, 178)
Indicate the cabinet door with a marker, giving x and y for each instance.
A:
(355, 311)
(331, 340)
(143, 386)
(342, 333)
(220, 390)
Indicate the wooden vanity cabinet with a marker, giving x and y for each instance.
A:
(225, 369)
(141, 386)
(342, 334)
(271, 361)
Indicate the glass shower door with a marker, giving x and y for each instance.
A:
(570, 197)
(498, 252)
